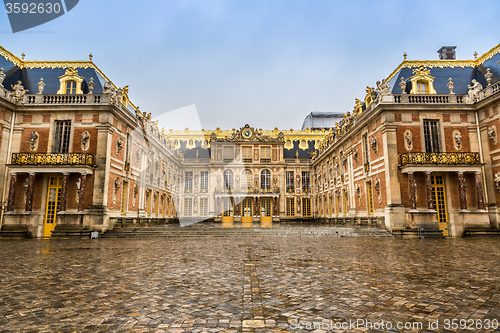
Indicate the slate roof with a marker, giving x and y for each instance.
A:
(31, 76)
(461, 76)
(303, 154)
(319, 120)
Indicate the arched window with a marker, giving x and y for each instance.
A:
(265, 179)
(247, 178)
(228, 179)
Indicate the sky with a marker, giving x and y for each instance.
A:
(268, 63)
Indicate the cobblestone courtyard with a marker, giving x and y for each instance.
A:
(245, 284)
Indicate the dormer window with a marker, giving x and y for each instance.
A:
(70, 87)
(421, 87)
(422, 82)
(70, 83)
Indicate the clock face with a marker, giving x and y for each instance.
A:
(247, 133)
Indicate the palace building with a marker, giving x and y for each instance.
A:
(420, 149)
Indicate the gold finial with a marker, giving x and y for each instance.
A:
(475, 55)
(90, 56)
(405, 55)
(23, 55)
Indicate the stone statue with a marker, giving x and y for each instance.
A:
(457, 140)
(408, 140)
(91, 85)
(451, 85)
(297, 153)
(41, 85)
(488, 76)
(18, 92)
(2, 77)
(497, 181)
(492, 134)
(119, 145)
(383, 90)
(85, 141)
(473, 94)
(33, 140)
(373, 144)
(107, 87)
(376, 186)
(117, 185)
(402, 85)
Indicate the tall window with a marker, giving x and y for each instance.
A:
(188, 181)
(366, 157)
(305, 181)
(228, 152)
(228, 179)
(204, 181)
(431, 136)
(188, 207)
(290, 207)
(70, 87)
(147, 203)
(306, 207)
(247, 154)
(265, 179)
(203, 207)
(247, 178)
(290, 187)
(61, 137)
(265, 154)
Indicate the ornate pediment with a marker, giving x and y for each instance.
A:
(247, 134)
(71, 74)
(422, 75)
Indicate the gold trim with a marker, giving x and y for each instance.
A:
(71, 74)
(422, 74)
(446, 63)
(9, 56)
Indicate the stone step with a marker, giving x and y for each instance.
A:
(244, 232)
(475, 232)
(13, 234)
(70, 233)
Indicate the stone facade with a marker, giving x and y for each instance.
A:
(403, 159)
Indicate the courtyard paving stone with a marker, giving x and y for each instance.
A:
(246, 284)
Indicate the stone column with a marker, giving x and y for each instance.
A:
(81, 203)
(430, 197)
(64, 193)
(29, 198)
(12, 192)
(411, 185)
(479, 191)
(461, 191)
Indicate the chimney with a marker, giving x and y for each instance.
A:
(447, 53)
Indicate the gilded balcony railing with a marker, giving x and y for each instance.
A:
(250, 190)
(53, 159)
(439, 158)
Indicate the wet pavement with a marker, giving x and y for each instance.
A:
(250, 285)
